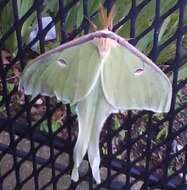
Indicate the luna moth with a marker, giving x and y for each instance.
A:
(99, 73)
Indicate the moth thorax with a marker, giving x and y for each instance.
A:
(104, 45)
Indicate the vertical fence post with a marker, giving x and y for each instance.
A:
(62, 20)
(176, 65)
(133, 15)
(154, 55)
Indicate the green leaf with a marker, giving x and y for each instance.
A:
(162, 134)
(80, 14)
(116, 122)
(51, 8)
(167, 54)
(93, 6)
(164, 28)
(185, 41)
(182, 74)
(71, 19)
(145, 17)
(169, 27)
(6, 21)
(146, 43)
(166, 5)
(23, 7)
(122, 9)
(54, 126)
(10, 87)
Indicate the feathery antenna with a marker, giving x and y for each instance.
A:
(106, 20)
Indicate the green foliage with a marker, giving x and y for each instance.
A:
(75, 15)
(93, 6)
(10, 87)
(54, 126)
(80, 14)
(7, 20)
(162, 134)
(71, 19)
(23, 7)
(122, 9)
(144, 20)
(185, 41)
(182, 74)
(115, 122)
(50, 8)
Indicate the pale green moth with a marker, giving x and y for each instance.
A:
(100, 73)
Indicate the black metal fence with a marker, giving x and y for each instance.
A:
(139, 150)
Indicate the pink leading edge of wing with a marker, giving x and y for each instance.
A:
(98, 34)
